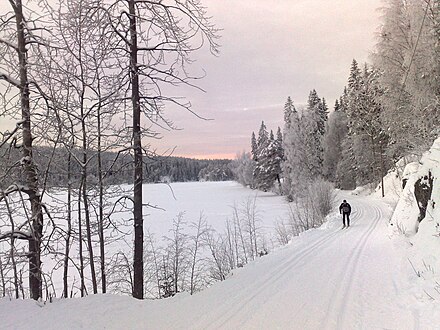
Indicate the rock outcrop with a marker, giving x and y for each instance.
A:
(423, 192)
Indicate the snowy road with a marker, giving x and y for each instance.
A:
(327, 278)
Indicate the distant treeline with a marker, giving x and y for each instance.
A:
(58, 165)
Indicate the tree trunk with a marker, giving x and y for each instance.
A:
(12, 251)
(2, 275)
(101, 208)
(382, 166)
(84, 169)
(29, 167)
(88, 230)
(138, 262)
(80, 239)
(69, 225)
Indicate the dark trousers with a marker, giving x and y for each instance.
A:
(344, 215)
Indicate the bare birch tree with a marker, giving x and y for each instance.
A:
(18, 41)
(158, 38)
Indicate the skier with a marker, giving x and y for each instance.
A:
(345, 210)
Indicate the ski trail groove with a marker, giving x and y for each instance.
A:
(277, 274)
(354, 268)
(343, 291)
(274, 275)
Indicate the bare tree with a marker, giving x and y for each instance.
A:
(200, 228)
(239, 238)
(158, 38)
(14, 70)
(177, 253)
(120, 274)
(152, 265)
(250, 219)
(219, 269)
(105, 57)
(84, 83)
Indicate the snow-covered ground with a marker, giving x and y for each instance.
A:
(381, 273)
(326, 278)
(420, 240)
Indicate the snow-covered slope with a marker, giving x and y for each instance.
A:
(326, 278)
(421, 240)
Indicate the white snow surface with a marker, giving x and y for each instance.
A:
(420, 241)
(327, 278)
(381, 273)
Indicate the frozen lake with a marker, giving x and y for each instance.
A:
(215, 199)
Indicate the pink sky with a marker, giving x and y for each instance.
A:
(270, 49)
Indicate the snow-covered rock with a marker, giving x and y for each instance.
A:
(407, 218)
(417, 216)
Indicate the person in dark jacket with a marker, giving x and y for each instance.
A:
(345, 210)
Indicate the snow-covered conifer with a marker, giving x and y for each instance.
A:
(254, 147)
(267, 170)
(263, 138)
(267, 166)
(314, 128)
(288, 109)
(335, 135)
(367, 136)
(407, 56)
(346, 166)
(280, 143)
(323, 116)
(291, 148)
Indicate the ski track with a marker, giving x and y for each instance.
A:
(340, 300)
(277, 274)
(343, 291)
(268, 281)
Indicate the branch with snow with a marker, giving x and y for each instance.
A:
(8, 135)
(9, 44)
(14, 188)
(16, 234)
(9, 79)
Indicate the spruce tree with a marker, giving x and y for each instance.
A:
(279, 156)
(314, 122)
(368, 138)
(323, 116)
(262, 142)
(263, 138)
(280, 142)
(291, 147)
(254, 147)
(346, 167)
(354, 79)
(333, 139)
(267, 168)
(337, 106)
(264, 175)
(288, 109)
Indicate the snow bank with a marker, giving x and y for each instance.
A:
(395, 178)
(422, 238)
(405, 217)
